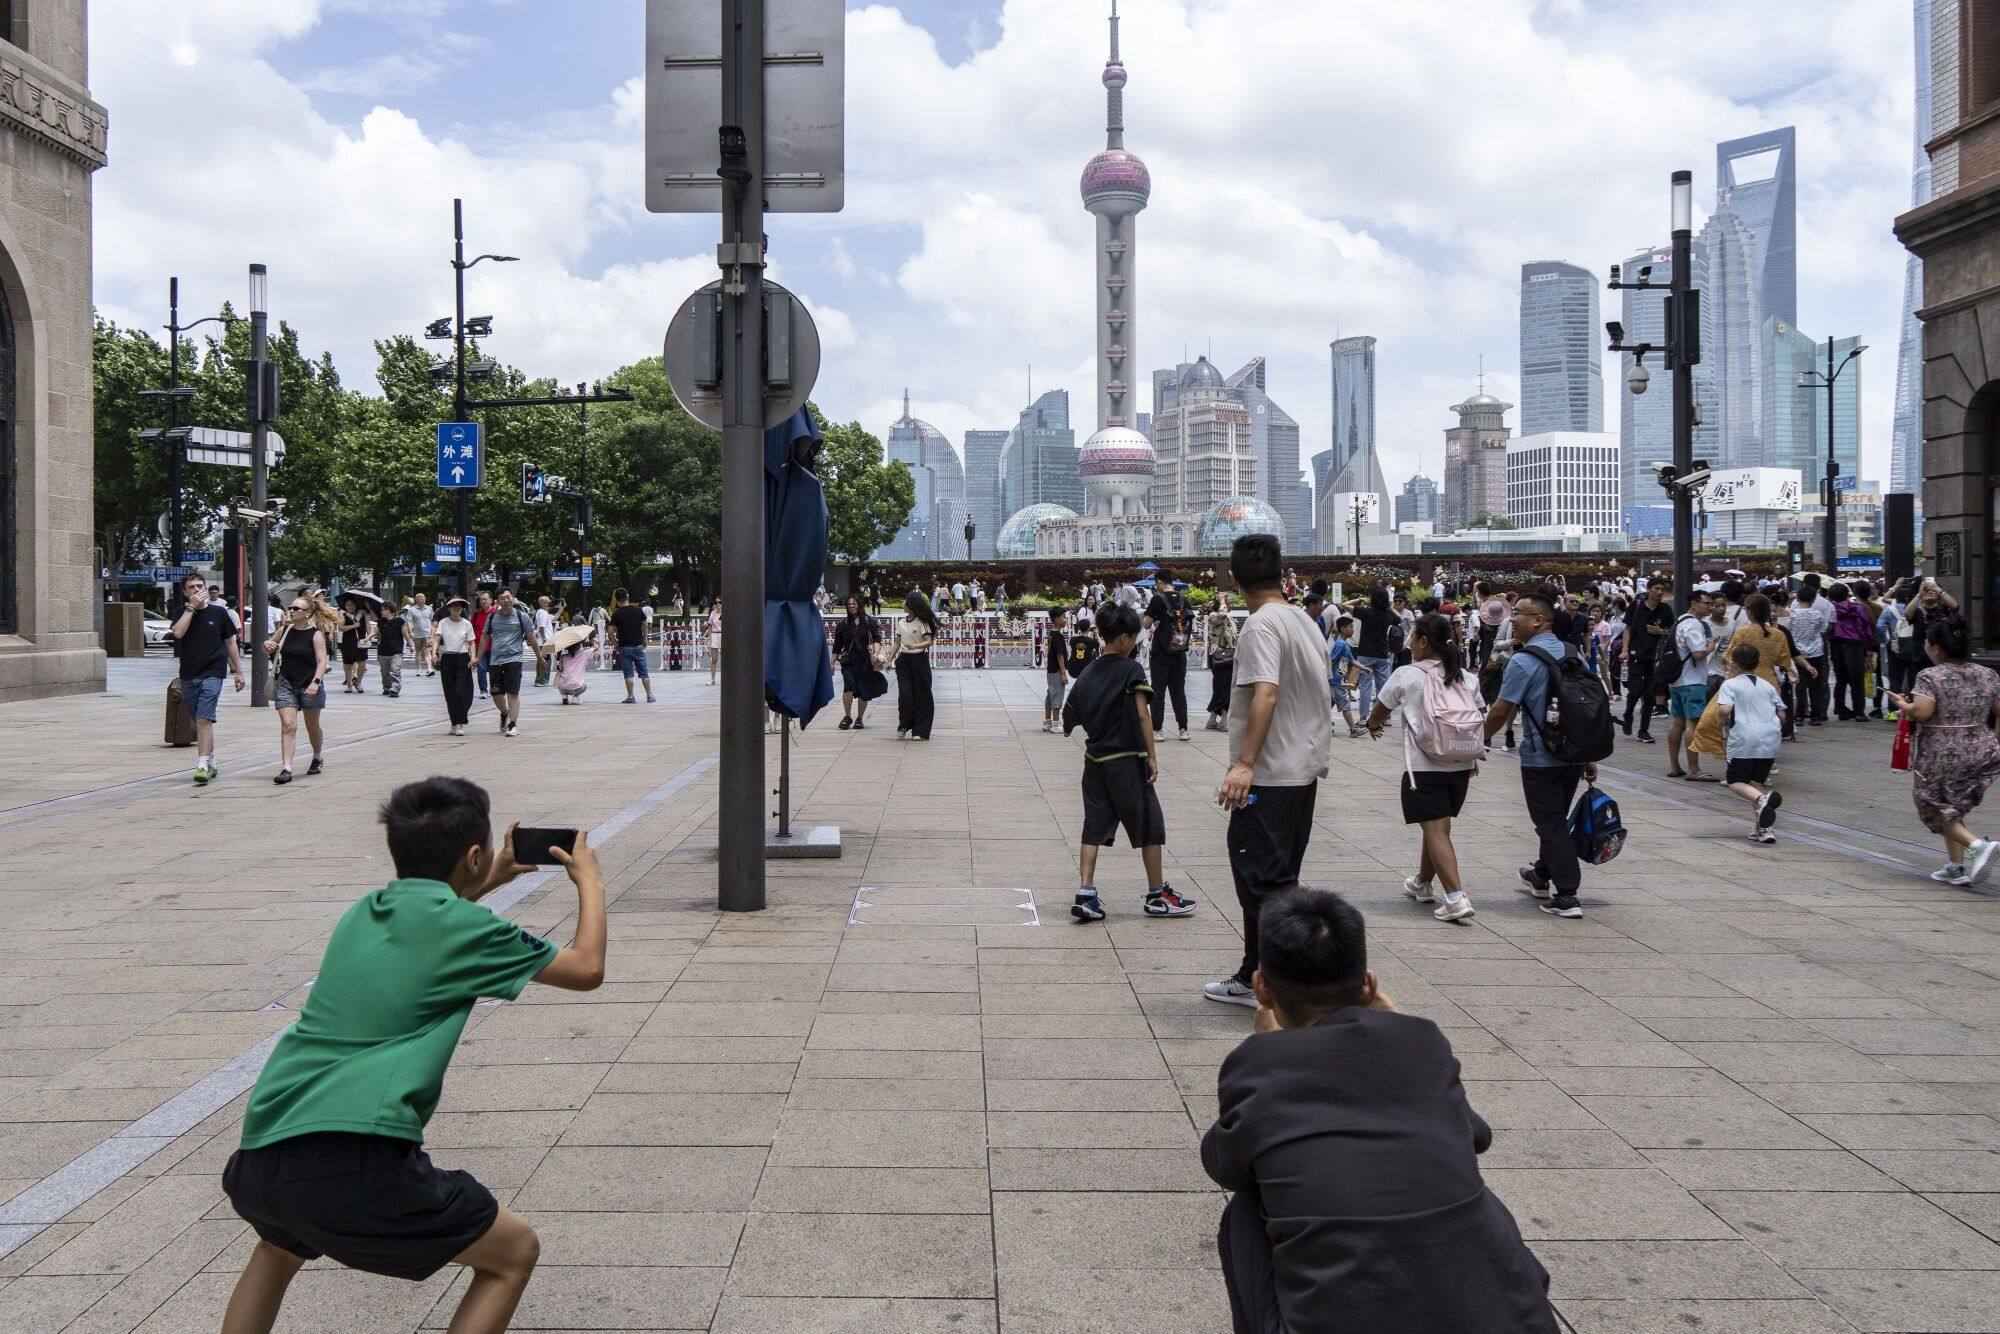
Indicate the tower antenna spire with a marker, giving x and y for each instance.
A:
(906, 404)
(1114, 90)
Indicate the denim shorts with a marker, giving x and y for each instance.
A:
(285, 695)
(1687, 701)
(200, 695)
(632, 660)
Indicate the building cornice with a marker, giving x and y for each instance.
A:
(40, 104)
(1943, 222)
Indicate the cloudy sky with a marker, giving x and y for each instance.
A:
(1320, 167)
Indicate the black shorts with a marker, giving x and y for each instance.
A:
(1748, 771)
(370, 1202)
(1116, 795)
(1435, 796)
(504, 678)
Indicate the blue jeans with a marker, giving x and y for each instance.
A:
(485, 664)
(1374, 675)
(632, 661)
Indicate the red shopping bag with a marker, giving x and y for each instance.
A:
(1899, 754)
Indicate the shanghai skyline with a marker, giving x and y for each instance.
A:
(964, 259)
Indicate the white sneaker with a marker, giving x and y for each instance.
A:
(1948, 874)
(1978, 858)
(1230, 992)
(1453, 910)
(1159, 736)
(1420, 890)
(1184, 734)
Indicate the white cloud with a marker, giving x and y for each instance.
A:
(1317, 169)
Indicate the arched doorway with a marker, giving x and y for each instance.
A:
(10, 622)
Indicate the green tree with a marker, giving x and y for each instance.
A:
(1488, 519)
(131, 478)
(867, 500)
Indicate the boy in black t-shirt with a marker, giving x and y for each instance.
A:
(389, 627)
(1110, 703)
(1056, 657)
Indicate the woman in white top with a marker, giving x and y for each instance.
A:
(915, 633)
(1433, 789)
(452, 643)
(714, 639)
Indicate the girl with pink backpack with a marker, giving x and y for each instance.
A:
(1441, 718)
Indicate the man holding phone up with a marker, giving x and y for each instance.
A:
(205, 644)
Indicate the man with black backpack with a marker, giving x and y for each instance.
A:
(1168, 617)
(1646, 639)
(1566, 728)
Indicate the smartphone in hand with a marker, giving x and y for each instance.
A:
(532, 847)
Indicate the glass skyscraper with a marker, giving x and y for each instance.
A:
(1794, 428)
(1906, 442)
(1562, 361)
(1353, 399)
(1751, 262)
(1274, 439)
(1038, 463)
(982, 487)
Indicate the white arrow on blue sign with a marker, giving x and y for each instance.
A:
(461, 456)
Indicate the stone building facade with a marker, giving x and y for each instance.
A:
(52, 137)
(1957, 235)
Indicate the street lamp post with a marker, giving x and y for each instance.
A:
(263, 404)
(175, 395)
(971, 529)
(1829, 378)
(459, 405)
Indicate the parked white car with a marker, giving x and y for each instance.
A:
(158, 629)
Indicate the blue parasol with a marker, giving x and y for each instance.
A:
(798, 676)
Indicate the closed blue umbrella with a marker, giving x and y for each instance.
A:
(798, 675)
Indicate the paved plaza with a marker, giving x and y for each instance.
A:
(1755, 1089)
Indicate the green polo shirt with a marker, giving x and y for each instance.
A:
(369, 1050)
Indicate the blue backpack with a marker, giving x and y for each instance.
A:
(1595, 828)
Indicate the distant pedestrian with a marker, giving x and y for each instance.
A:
(545, 629)
(1753, 712)
(1434, 786)
(714, 638)
(1055, 658)
(1547, 783)
(1120, 766)
(854, 641)
(1279, 735)
(509, 637)
(1687, 691)
(418, 614)
(205, 646)
(916, 709)
(454, 644)
(354, 635)
(1376, 651)
(628, 623)
(390, 630)
(301, 651)
(480, 613)
(1221, 630)
(1170, 620)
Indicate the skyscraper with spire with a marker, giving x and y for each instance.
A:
(1116, 186)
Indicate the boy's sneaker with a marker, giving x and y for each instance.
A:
(1763, 836)
(317, 766)
(203, 771)
(284, 776)
(1231, 992)
(503, 722)
(1562, 905)
(513, 728)
(1767, 810)
(1353, 731)
(1420, 890)
(1184, 734)
(457, 729)
(1165, 902)
(1979, 860)
(1454, 910)
(1533, 884)
(1087, 908)
(1948, 874)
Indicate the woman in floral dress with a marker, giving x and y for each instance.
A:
(1955, 756)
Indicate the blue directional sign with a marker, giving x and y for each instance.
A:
(461, 456)
(445, 550)
(429, 567)
(472, 547)
(197, 558)
(1843, 484)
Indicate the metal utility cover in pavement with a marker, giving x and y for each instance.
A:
(924, 905)
(805, 82)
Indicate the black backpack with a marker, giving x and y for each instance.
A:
(1667, 658)
(1578, 727)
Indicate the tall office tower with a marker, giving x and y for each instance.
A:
(1419, 501)
(1475, 462)
(1564, 479)
(1353, 399)
(1116, 186)
(1038, 464)
(1322, 471)
(1906, 441)
(1274, 440)
(1201, 439)
(1751, 275)
(1562, 361)
(1795, 416)
(982, 488)
(936, 526)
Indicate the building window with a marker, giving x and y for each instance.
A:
(9, 537)
(1978, 58)
(9, 25)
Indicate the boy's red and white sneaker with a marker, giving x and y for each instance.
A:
(1166, 901)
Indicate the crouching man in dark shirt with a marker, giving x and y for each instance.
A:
(1348, 1141)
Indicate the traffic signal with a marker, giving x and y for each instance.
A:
(534, 486)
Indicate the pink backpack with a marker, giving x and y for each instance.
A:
(1454, 726)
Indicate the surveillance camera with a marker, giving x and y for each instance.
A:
(1695, 478)
(1645, 272)
(1614, 274)
(1664, 470)
(1637, 379)
(1616, 330)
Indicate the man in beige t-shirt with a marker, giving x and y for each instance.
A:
(1280, 729)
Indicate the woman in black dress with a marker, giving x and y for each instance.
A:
(354, 630)
(854, 649)
(915, 633)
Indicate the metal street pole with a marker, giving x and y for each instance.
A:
(583, 483)
(1832, 473)
(740, 815)
(1678, 332)
(461, 497)
(263, 408)
(175, 450)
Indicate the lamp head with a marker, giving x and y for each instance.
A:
(260, 296)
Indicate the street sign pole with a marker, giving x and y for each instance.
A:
(262, 411)
(740, 808)
(463, 498)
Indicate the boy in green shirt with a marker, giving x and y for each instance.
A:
(332, 1159)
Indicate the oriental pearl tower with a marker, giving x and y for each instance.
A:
(1117, 461)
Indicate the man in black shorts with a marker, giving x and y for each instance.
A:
(1119, 764)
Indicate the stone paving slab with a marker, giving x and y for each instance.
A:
(1754, 1089)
